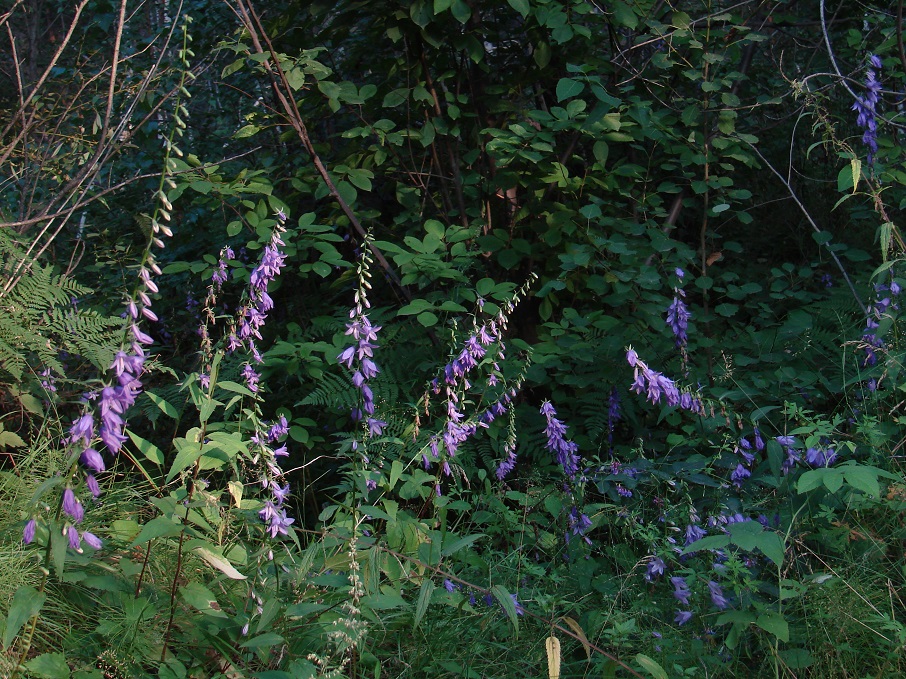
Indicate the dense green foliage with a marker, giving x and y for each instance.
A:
(451, 338)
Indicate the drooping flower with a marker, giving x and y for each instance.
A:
(28, 533)
(866, 108)
(682, 617)
(678, 318)
(717, 595)
(656, 567)
(565, 451)
(681, 589)
(509, 462)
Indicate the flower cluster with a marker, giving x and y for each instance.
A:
(678, 314)
(253, 313)
(866, 107)
(657, 386)
(564, 450)
(106, 421)
(883, 303)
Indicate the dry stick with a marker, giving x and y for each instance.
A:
(295, 119)
(113, 66)
(41, 80)
(117, 187)
(5, 17)
(811, 221)
(830, 53)
(101, 155)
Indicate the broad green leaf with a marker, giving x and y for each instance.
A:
(202, 599)
(521, 6)
(508, 603)
(651, 666)
(745, 534)
(567, 87)
(774, 623)
(49, 666)
(458, 543)
(771, 545)
(247, 131)
(157, 528)
(863, 478)
(186, 457)
(263, 640)
(424, 599)
(148, 449)
(165, 406)
(220, 563)
(27, 601)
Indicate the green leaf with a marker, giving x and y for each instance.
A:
(567, 87)
(623, 15)
(461, 11)
(235, 387)
(774, 623)
(771, 545)
(157, 528)
(263, 641)
(27, 601)
(810, 480)
(188, 453)
(651, 666)
(424, 598)
(427, 319)
(459, 543)
(745, 534)
(506, 601)
(247, 131)
(165, 406)
(864, 479)
(710, 542)
(521, 6)
(201, 598)
(220, 563)
(49, 666)
(147, 448)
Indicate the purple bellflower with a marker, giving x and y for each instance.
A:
(866, 107)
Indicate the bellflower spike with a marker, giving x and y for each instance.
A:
(565, 451)
(678, 318)
(866, 108)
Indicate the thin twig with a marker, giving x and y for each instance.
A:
(811, 221)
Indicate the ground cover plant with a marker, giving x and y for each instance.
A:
(451, 338)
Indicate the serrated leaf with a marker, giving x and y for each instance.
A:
(27, 601)
(49, 666)
(11, 439)
(188, 453)
(771, 545)
(220, 563)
